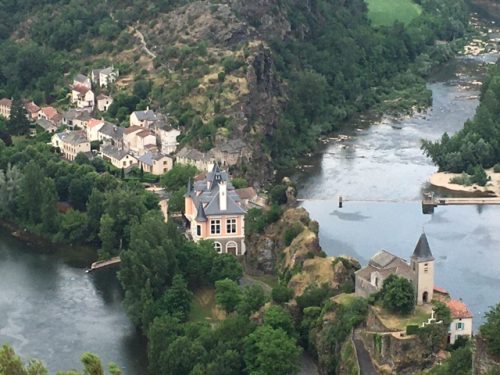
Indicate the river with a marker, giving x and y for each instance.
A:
(51, 309)
(381, 173)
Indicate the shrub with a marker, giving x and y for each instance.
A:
(411, 329)
(398, 295)
(463, 179)
(291, 233)
(281, 294)
(496, 168)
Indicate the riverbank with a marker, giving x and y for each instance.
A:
(442, 180)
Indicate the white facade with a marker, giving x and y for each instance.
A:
(103, 102)
(168, 140)
(460, 327)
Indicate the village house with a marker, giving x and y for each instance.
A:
(461, 323)
(93, 127)
(213, 212)
(137, 139)
(48, 113)
(81, 80)
(46, 125)
(103, 77)
(103, 102)
(230, 152)
(117, 157)
(75, 118)
(155, 163)
(111, 135)
(5, 106)
(191, 156)
(420, 272)
(71, 143)
(143, 118)
(83, 97)
(32, 110)
(167, 135)
(249, 198)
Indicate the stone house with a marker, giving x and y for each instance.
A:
(461, 324)
(103, 77)
(420, 272)
(32, 110)
(118, 157)
(230, 152)
(213, 212)
(110, 134)
(75, 118)
(46, 125)
(191, 156)
(103, 102)
(155, 163)
(82, 80)
(48, 113)
(5, 107)
(83, 97)
(71, 143)
(143, 118)
(137, 139)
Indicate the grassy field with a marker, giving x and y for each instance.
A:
(391, 321)
(385, 12)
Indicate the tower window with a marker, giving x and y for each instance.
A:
(426, 267)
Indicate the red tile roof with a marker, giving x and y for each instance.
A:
(458, 309)
(31, 107)
(6, 102)
(440, 290)
(81, 89)
(50, 112)
(94, 122)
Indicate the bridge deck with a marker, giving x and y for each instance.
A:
(104, 263)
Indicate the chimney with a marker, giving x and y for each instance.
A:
(223, 196)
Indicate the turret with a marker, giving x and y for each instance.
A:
(422, 263)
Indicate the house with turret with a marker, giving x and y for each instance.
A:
(419, 271)
(213, 211)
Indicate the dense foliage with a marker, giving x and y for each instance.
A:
(491, 328)
(397, 295)
(343, 65)
(477, 145)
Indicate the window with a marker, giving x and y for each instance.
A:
(460, 326)
(231, 247)
(198, 230)
(218, 247)
(215, 226)
(231, 226)
(426, 267)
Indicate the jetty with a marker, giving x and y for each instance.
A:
(104, 264)
(430, 202)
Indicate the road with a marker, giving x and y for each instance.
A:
(364, 360)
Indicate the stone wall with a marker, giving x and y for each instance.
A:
(482, 361)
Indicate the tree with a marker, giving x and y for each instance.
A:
(30, 194)
(252, 299)
(278, 317)
(398, 295)
(227, 294)
(225, 266)
(48, 209)
(271, 351)
(18, 123)
(281, 294)
(176, 301)
(491, 328)
(11, 364)
(178, 176)
(92, 364)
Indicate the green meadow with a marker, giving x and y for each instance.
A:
(385, 12)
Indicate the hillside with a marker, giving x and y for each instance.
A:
(274, 73)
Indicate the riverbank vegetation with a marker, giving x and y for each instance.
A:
(477, 145)
(346, 65)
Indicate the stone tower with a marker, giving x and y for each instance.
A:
(422, 264)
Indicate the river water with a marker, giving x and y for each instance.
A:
(51, 309)
(381, 173)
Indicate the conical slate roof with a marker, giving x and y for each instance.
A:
(201, 216)
(422, 251)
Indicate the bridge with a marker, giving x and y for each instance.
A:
(430, 202)
(104, 264)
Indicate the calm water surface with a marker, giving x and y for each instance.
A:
(382, 172)
(55, 311)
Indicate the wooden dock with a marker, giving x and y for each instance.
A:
(104, 264)
(430, 202)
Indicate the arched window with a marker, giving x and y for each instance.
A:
(231, 247)
(425, 297)
(218, 247)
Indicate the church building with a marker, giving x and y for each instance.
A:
(419, 271)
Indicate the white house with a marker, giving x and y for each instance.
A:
(167, 136)
(103, 102)
(119, 158)
(461, 324)
(143, 118)
(103, 77)
(156, 163)
(138, 140)
(71, 143)
(93, 127)
(83, 97)
(81, 80)
(111, 134)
